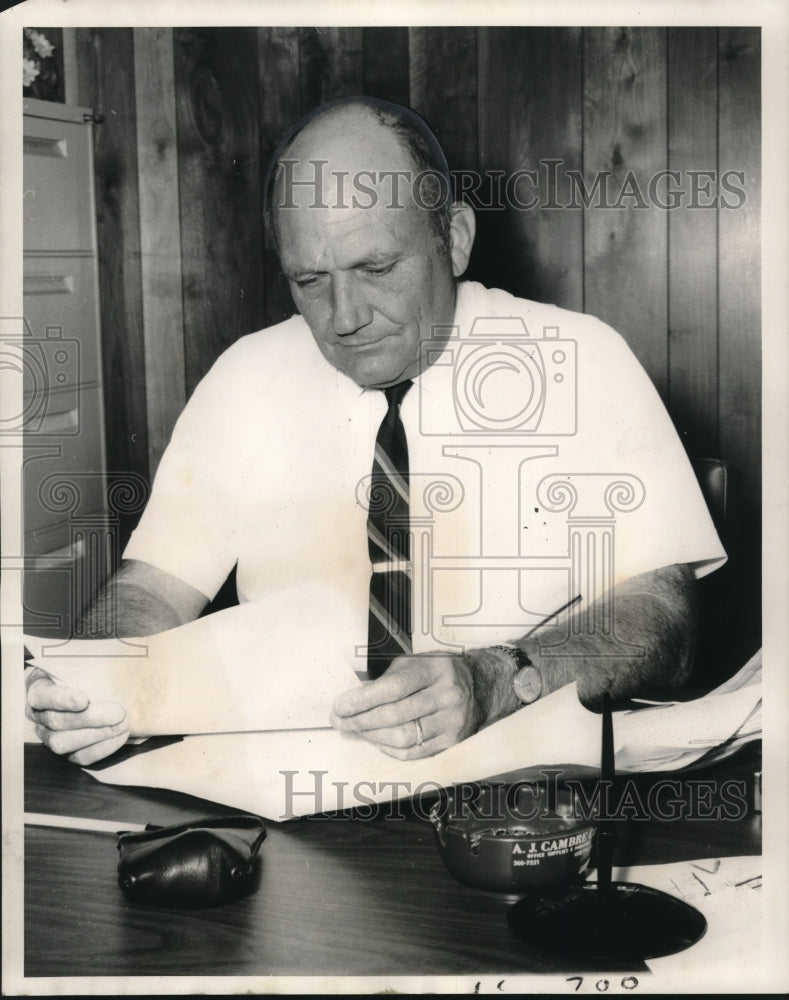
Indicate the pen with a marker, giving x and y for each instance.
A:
(86, 825)
(604, 845)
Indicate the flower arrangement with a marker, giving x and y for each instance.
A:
(40, 70)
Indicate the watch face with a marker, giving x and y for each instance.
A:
(528, 684)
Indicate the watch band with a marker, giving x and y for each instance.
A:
(527, 680)
(519, 658)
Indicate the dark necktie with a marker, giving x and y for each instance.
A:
(389, 541)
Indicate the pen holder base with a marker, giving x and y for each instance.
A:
(627, 922)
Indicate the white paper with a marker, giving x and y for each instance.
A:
(727, 891)
(266, 665)
(283, 774)
(647, 738)
(250, 771)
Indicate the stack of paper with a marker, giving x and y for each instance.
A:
(262, 665)
(211, 677)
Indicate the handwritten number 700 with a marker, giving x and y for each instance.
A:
(626, 983)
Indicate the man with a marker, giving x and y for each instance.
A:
(266, 463)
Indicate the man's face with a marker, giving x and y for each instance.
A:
(371, 284)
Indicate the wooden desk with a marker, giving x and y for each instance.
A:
(336, 896)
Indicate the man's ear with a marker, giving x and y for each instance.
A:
(462, 230)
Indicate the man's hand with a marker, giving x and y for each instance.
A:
(437, 691)
(69, 723)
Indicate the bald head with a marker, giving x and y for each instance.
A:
(360, 153)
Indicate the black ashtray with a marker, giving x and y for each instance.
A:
(512, 838)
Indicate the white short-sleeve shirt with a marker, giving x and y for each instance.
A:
(543, 466)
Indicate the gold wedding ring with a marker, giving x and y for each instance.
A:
(420, 736)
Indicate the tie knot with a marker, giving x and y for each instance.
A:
(395, 393)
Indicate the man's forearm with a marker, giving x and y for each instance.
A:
(650, 644)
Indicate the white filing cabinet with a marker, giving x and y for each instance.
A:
(64, 480)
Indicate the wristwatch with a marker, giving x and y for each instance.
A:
(527, 682)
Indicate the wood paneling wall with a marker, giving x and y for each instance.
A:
(111, 94)
(191, 117)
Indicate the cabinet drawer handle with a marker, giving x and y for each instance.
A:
(58, 423)
(47, 284)
(40, 145)
(56, 558)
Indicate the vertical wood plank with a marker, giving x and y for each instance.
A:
(110, 91)
(625, 242)
(530, 88)
(385, 64)
(693, 236)
(160, 239)
(693, 294)
(70, 72)
(330, 64)
(280, 107)
(221, 209)
(739, 125)
(443, 86)
(739, 243)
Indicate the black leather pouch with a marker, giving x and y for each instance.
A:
(202, 863)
